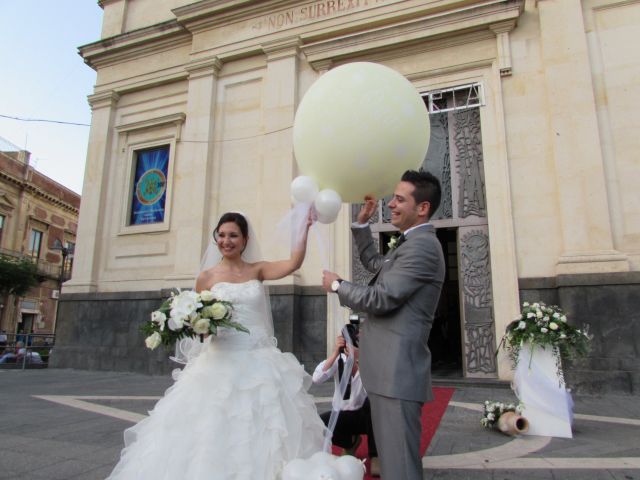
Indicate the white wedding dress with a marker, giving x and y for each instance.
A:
(238, 411)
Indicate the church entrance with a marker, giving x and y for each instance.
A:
(462, 338)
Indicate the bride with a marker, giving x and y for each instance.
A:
(239, 410)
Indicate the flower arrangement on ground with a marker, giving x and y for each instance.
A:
(506, 417)
(493, 410)
(545, 326)
(188, 314)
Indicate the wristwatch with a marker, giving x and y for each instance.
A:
(335, 285)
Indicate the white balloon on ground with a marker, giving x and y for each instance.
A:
(324, 472)
(327, 205)
(304, 189)
(322, 458)
(349, 468)
(296, 469)
(358, 128)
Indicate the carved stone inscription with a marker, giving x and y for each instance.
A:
(311, 12)
(475, 276)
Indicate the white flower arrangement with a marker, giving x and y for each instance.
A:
(545, 326)
(188, 314)
(492, 411)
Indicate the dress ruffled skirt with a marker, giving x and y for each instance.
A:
(233, 414)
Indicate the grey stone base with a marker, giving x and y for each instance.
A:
(610, 305)
(101, 331)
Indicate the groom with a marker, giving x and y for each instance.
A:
(400, 300)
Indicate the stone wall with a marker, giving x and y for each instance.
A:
(100, 331)
(610, 305)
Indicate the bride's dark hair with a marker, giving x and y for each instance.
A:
(236, 218)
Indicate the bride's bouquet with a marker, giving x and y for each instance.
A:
(188, 314)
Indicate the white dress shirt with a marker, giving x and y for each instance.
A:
(358, 393)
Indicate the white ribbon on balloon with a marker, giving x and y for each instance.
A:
(342, 388)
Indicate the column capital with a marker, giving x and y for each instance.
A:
(503, 27)
(204, 67)
(107, 99)
(282, 48)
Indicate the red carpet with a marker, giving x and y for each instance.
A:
(432, 413)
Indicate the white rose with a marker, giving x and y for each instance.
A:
(175, 323)
(544, 330)
(531, 315)
(556, 315)
(522, 325)
(525, 304)
(206, 295)
(218, 310)
(562, 335)
(201, 326)
(563, 318)
(153, 340)
(546, 319)
(535, 305)
(539, 314)
(491, 417)
(553, 326)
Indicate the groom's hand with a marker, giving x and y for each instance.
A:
(368, 209)
(327, 280)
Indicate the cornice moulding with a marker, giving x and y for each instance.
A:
(137, 43)
(425, 29)
(177, 119)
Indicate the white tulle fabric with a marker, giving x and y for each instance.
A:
(238, 411)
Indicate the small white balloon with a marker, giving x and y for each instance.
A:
(322, 458)
(327, 205)
(296, 469)
(350, 468)
(304, 189)
(324, 472)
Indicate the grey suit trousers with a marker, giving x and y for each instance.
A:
(397, 428)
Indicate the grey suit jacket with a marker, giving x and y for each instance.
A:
(400, 302)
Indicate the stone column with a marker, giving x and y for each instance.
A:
(504, 270)
(580, 176)
(92, 209)
(277, 166)
(193, 171)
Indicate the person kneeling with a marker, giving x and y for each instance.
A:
(354, 418)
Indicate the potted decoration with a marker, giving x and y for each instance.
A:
(537, 342)
(505, 417)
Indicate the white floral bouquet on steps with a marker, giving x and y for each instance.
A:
(188, 314)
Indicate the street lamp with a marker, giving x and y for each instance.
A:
(66, 252)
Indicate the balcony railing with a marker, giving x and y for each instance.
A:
(45, 268)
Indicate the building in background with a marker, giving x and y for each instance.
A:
(38, 221)
(532, 107)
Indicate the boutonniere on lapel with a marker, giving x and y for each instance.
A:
(393, 243)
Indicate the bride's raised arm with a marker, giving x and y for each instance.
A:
(282, 268)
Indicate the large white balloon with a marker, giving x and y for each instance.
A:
(304, 189)
(358, 128)
(327, 205)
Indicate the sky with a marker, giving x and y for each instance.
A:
(43, 77)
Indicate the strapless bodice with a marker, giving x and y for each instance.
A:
(249, 309)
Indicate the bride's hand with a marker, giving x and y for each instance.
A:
(312, 217)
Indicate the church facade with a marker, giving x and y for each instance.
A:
(532, 135)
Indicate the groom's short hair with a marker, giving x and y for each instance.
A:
(426, 188)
